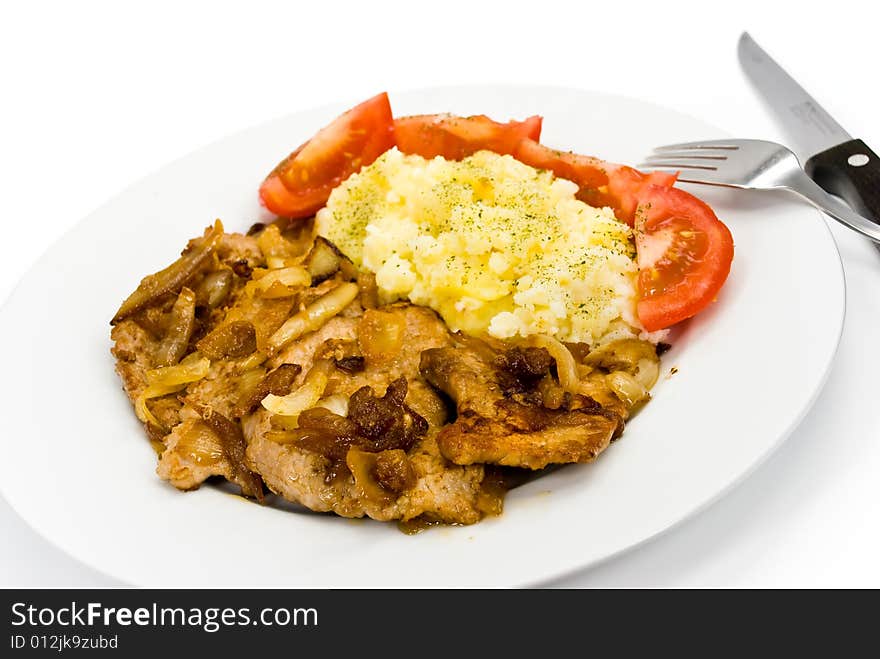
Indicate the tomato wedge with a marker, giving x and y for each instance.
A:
(625, 186)
(684, 255)
(454, 138)
(586, 171)
(302, 182)
(601, 183)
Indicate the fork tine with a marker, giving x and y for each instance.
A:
(703, 176)
(703, 153)
(687, 155)
(673, 164)
(727, 145)
(688, 173)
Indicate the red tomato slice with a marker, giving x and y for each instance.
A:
(684, 255)
(278, 199)
(454, 138)
(601, 183)
(622, 192)
(586, 171)
(625, 185)
(302, 182)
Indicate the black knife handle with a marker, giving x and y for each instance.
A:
(852, 172)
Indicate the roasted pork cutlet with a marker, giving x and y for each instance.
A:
(215, 425)
(266, 360)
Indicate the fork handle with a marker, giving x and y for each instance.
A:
(803, 185)
(852, 172)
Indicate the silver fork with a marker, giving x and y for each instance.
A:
(753, 165)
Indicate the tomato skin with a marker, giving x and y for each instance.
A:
(586, 171)
(454, 138)
(302, 182)
(601, 183)
(278, 199)
(684, 255)
(625, 185)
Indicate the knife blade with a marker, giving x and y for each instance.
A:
(843, 166)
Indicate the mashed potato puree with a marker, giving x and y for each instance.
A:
(491, 244)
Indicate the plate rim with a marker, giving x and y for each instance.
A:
(547, 574)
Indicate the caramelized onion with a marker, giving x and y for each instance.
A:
(266, 315)
(374, 424)
(566, 367)
(172, 278)
(337, 403)
(231, 340)
(251, 362)
(380, 477)
(626, 387)
(314, 315)
(366, 282)
(306, 396)
(380, 335)
(140, 404)
(180, 329)
(351, 364)
(633, 356)
(647, 372)
(247, 385)
(386, 422)
(191, 369)
(199, 444)
(278, 382)
(282, 282)
(169, 380)
(277, 250)
(362, 466)
(393, 470)
(214, 288)
(234, 446)
(519, 370)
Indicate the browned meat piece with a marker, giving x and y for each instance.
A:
(528, 436)
(134, 348)
(520, 369)
(386, 423)
(192, 454)
(405, 479)
(502, 418)
(465, 376)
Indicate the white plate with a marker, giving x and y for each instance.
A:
(76, 466)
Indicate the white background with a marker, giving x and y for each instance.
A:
(98, 94)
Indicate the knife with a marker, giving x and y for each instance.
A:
(843, 166)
